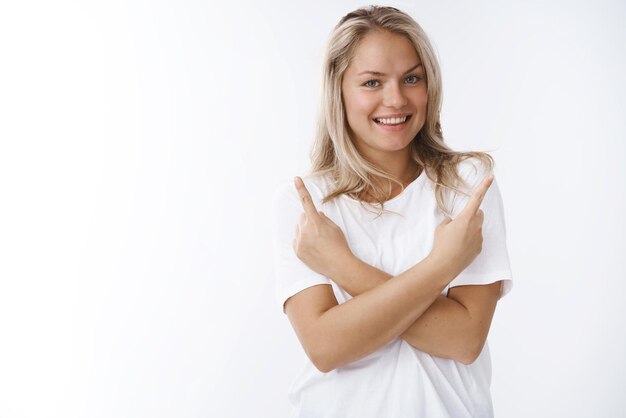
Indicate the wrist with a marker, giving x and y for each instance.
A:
(444, 269)
(345, 265)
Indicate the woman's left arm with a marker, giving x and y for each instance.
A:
(453, 327)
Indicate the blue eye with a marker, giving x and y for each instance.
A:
(417, 79)
(412, 79)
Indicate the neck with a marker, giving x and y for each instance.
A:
(401, 167)
(404, 169)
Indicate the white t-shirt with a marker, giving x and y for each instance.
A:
(397, 380)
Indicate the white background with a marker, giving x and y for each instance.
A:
(141, 143)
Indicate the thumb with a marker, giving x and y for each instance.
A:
(446, 221)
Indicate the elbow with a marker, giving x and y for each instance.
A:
(321, 362)
(324, 356)
(322, 353)
(323, 367)
(471, 353)
(468, 359)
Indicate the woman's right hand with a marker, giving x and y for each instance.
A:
(458, 242)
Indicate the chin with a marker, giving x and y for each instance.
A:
(396, 146)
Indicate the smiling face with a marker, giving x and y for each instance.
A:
(385, 95)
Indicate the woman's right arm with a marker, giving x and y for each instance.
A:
(453, 327)
(335, 334)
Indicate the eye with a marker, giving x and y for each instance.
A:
(415, 79)
(367, 83)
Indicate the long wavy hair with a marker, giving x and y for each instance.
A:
(333, 151)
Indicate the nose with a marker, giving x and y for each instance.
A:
(394, 96)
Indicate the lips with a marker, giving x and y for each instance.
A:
(395, 115)
(378, 120)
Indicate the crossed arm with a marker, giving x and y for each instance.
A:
(453, 327)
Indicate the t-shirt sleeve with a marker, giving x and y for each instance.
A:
(291, 275)
(492, 264)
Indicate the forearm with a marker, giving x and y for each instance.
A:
(443, 330)
(367, 322)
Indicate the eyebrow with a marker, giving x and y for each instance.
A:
(379, 74)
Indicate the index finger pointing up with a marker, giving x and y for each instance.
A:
(305, 198)
(477, 198)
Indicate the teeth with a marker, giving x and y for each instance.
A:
(391, 121)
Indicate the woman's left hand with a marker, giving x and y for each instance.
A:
(319, 242)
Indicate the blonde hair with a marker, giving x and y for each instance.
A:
(333, 151)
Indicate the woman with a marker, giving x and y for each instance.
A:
(393, 276)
